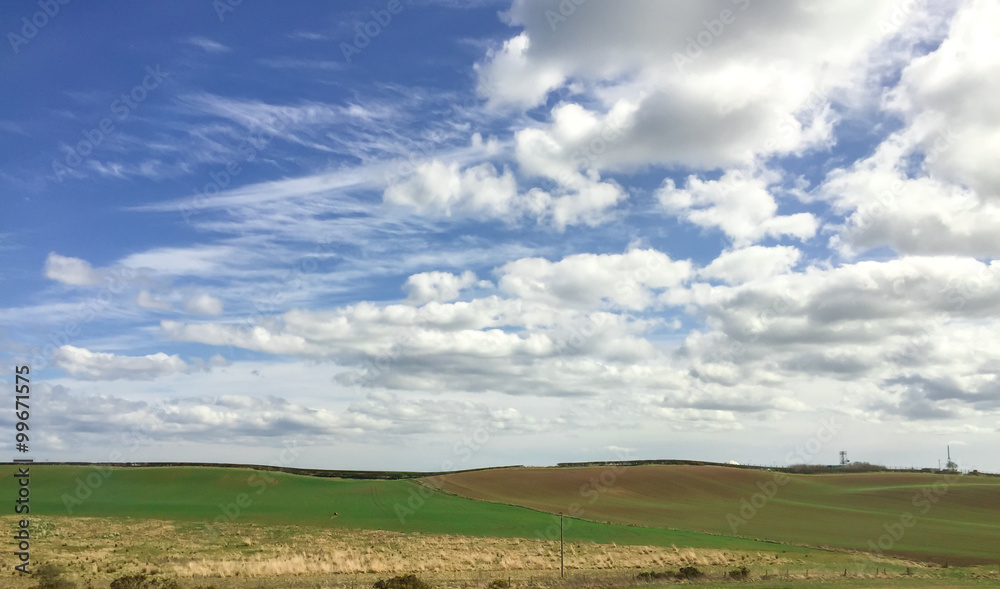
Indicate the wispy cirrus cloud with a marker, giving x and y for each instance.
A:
(207, 45)
(651, 223)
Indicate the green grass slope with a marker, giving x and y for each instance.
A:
(207, 495)
(935, 517)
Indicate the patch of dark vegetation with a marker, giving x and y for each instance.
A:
(653, 575)
(689, 573)
(739, 574)
(683, 573)
(142, 581)
(863, 467)
(401, 582)
(648, 462)
(51, 577)
(851, 467)
(499, 584)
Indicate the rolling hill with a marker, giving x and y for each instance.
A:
(936, 517)
(205, 495)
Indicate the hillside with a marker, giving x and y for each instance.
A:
(205, 495)
(955, 519)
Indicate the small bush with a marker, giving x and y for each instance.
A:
(653, 575)
(689, 573)
(403, 582)
(741, 573)
(498, 584)
(141, 581)
(130, 582)
(50, 577)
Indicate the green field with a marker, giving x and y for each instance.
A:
(691, 506)
(199, 494)
(239, 528)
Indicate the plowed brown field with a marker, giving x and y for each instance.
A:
(929, 516)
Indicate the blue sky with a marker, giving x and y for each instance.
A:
(433, 235)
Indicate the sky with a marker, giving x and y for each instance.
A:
(434, 235)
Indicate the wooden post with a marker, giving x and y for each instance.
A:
(562, 568)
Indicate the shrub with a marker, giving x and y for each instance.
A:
(50, 577)
(498, 584)
(653, 575)
(689, 573)
(864, 467)
(130, 582)
(141, 581)
(403, 582)
(741, 573)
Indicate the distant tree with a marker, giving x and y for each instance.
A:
(808, 468)
(864, 467)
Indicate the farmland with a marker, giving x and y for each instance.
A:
(955, 518)
(242, 528)
(212, 496)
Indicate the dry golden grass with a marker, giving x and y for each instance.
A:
(97, 550)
